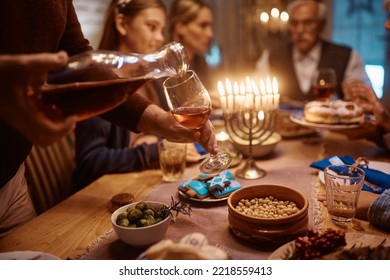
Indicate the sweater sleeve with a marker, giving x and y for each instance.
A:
(379, 211)
(102, 148)
(129, 113)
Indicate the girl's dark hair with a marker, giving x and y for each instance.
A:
(129, 8)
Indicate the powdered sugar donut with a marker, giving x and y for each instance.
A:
(347, 111)
(320, 112)
(332, 112)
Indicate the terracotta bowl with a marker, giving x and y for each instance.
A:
(268, 231)
(141, 236)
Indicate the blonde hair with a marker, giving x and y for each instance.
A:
(183, 11)
(110, 37)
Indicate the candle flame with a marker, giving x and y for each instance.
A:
(221, 89)
(275, 88)
(262, 87)
(248, 85)
(242, 88)
(236, 88)
(268, 85)
(255, 88)
(229, 86)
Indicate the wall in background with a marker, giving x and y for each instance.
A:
(241, 39)
(91, 14)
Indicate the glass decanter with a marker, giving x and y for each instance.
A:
(97, 81)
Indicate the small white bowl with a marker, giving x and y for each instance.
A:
(141, 236)
(259, 150)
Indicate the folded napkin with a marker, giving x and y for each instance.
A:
(377, 181)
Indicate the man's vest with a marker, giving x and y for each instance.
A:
(281, 63)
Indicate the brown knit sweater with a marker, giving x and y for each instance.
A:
(32, 26)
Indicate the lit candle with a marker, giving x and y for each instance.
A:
(257, 96)
(242, 95)
(221, 91)
(263, 94)
(249, 94)
(275, 91)
(237, 97)
(269, 94)
(230, 100)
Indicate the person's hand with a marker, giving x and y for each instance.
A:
(363, 95)
(156, 121)
(364, 202)
(23, 74)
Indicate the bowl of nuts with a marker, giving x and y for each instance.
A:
(141, 223)
(268, 214)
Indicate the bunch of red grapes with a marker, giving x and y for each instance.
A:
(318, 243)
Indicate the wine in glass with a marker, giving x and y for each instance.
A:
(190, 105)
(324, 84)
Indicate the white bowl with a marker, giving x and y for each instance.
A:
(259, 150)
(141, 236)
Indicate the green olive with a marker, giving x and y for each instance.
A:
(142, 223)
(134, 214)
(124, 222)
(121, 216)
(141, 206)
(149, 212)
(150, 219)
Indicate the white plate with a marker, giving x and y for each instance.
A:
(352, 239)
(27, 255)
(209, 199)
(378, 165)
(298, 117)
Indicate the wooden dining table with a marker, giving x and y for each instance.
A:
(80, 226)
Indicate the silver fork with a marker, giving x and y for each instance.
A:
(335, 160)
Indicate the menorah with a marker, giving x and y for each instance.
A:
(249, 112)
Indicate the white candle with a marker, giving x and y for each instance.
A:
(275, 91)
(230, 100)
(257, 96)
(249, 94)
(242, 95)
(263, 94)
(221, 91)
(237, 97)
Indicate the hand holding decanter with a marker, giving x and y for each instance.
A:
(97, 81)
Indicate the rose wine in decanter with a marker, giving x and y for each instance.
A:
(95, 82)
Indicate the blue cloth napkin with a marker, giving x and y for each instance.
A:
(373, 176)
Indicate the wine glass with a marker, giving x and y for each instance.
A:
(324, 84)
(190, 105)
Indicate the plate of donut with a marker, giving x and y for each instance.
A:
(299, 118)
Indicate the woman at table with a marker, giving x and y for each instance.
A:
(102, 147)
(190, 23)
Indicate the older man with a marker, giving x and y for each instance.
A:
(295, 63)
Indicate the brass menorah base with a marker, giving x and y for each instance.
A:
(251, 171)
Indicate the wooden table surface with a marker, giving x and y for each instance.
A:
(68, 229)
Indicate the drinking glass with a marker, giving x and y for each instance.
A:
(324, 84)
(190, 105)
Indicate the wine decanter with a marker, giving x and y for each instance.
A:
(97, 81)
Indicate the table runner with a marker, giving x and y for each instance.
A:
(288, 165)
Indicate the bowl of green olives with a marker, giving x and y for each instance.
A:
(141, 223)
